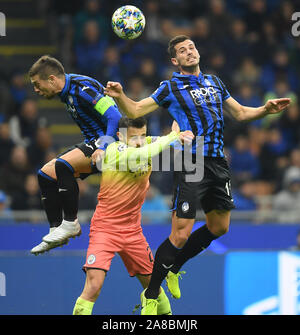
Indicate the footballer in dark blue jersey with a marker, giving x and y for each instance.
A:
(97, 116)
(196, 101)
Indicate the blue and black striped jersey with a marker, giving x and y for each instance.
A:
(96, 115)
(196, 103)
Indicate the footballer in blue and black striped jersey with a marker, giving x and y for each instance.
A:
(196, 103)
(98, 117)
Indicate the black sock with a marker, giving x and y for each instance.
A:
(164, 259)
(199, 240)
(50, 199)
(68, 189)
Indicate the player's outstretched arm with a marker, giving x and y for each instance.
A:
(244, 113)
(153, 149)
(124, 156)
(131, 108)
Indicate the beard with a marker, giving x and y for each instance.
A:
(190, 68)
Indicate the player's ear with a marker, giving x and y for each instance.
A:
(120, 136)
(51, 79)
(174, 61)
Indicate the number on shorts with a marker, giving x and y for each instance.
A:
(227, 187)
(150, 254)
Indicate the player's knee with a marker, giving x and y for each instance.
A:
(49, 169)
(219, 230)
(180, 237)
(63, 167)
(218, 222)
(93, 287)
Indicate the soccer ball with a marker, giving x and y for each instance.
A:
(128, 22)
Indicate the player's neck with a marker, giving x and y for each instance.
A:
(190, 71)
(60, 84)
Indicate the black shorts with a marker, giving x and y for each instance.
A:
(88, 149)
(212, 192)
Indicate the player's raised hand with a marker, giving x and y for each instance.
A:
(275, 106)
(97, 156)
(113, 89)
(186, 136)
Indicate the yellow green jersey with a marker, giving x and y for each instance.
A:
(124, 183)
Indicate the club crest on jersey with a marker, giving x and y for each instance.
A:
(71, 108)
(91, 259)
(122, 147)
(185, 207)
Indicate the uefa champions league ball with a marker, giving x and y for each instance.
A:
(128, 22)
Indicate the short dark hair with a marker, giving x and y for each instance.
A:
(46, 66)
(175, 40)
(139, 122)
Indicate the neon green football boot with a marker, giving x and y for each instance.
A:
(149, 306)
(163, 307)
(172, 280)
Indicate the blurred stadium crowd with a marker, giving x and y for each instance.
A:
(248, 44)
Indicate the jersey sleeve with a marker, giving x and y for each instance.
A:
(152, 149)
(151, 139)
(121, 157)
(112, 117)
(106, 107)
(96, 98)
(225, 93)
(89, 94)
(161, 95)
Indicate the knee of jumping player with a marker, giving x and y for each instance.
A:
(218, 222)
(179, 237)
(62, 166)
(49, 169)
(219, 230)
(93, 286)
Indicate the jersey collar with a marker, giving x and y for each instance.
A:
(66, 88)
(189, 76)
